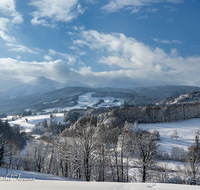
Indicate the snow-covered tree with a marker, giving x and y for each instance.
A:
(178, 153)
(196, 132)
(126, 148)
(145, 151)
(193, 159)
(11, 150)
(37, 152)
(44, 125)
(155, 134)
(84, 140)
(174, 134)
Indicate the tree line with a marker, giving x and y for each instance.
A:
(89, 150)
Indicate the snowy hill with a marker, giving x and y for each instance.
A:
(40, 85)
(48, 96)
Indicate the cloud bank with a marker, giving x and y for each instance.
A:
(127, 58)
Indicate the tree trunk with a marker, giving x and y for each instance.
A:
(143, 173)
(122, 166)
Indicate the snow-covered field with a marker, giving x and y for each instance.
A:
(86, 100)
(63, 185)
(34, 120)
(184, 128)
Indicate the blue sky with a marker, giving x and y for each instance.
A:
(95, 42)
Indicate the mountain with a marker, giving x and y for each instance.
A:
(68, 96)
(40, 85)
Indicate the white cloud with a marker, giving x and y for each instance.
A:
(16, 70)
(177, 41)
(47, 58)
(162, 41)
(17, 18)
(70, 58)
(8, 8)
(115, 5)
(3, 23)
(167, 41)
(20, 48)
(174, 52)
(55, 11)
(137, 60)
(7, 37)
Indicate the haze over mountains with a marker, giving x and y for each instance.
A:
(40, 85)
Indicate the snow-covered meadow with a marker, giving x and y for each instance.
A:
(86, 100)
(40, 181)
(184, 128)
(34, 120)
(63, 185)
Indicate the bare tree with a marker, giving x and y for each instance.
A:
(84, 133)
(146, 148)
(38, 151)
(2, 149)
(193, 159)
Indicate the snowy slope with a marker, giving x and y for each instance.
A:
(32, 175)
(86, 100)
(66, 97)
(34, 120)
(63, 185)
(184, 128)
(51, 182)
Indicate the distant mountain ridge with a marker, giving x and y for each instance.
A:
(40, 85)
(68, 96)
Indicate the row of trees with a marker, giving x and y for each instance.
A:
(89, 150)
(12, 141)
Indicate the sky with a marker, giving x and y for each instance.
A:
(100, 42)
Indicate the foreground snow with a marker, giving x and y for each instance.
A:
(32, 175)
(63, 185)
(51, 182)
